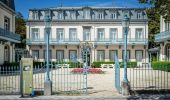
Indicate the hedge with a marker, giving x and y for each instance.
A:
(161, 65)
(97, 64)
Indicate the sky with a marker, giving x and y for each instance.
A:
(23, 6)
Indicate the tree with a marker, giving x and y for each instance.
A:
(21, 29)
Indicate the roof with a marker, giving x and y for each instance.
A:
(9, 3)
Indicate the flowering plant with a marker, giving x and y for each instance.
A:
(90, 70)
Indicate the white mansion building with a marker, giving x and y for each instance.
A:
(101, 27)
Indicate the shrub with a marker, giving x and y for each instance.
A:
(129, 64)
(161, 65)
(98, 64)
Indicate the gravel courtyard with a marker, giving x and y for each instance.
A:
(97, 84)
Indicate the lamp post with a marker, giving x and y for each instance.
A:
(125, 83)
(48, 83)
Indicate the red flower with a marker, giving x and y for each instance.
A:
(90, 70)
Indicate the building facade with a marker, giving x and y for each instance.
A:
(8, 37)
(101, 28)
(164, 39)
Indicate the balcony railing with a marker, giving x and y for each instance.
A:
(53, 41)
(162, 36)
(9, 35)
(121, 41)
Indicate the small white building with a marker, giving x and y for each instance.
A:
(164, 39)
(101, 27)
(8, 38)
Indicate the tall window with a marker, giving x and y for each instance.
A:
(72, 15)
(35, 15)
(113, 34)
(113, 16)
(72, 34)
(72, 54)
(113, 54)
(6, 23)
(50, 54)
(60, 34)
(100, 15)
(139, 15)
(128, 55)
(100, 55)
(35, 34)
(139, 34)
(60, 54)
(87, 14)
(35, 54)
(139, 55)
(86, 34)
(60, 15)
(100, 34)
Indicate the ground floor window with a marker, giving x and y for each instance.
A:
(113, 54)
(72, 54)
(50, 54)
(60, 54)
(128, 55)
(139, 55)
(100, 55)
(6, 53)
(35, 54)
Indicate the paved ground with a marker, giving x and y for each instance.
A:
(98, 84)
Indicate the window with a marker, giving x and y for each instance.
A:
(60, 15)
(72, 34)
(72, 54)
(72, 15)
(35, 34)
(50, 54)
(87, 14)
(167, 26)
(139, 15)
(113, 16)
(139, 34)
(60, 54)
(113, 34)
(6, 23)
(100, 55)
(60, 34)
(113, 54)
(35, 54)
(35, 15)
(139, 55)
(100, 34)
(7, 2)
(100, 16)
(86, 34)
(128, 55)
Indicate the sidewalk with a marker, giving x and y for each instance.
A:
(54, 97)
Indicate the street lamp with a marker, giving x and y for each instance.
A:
(48, 83)
(125, 82)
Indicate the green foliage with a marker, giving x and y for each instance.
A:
(163, 65)
(129, 64)
(98, 63)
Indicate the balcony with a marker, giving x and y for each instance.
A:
(9, 36)
(64, 41)
(162, 36)
(121, 41)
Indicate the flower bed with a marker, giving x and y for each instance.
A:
(90, 70)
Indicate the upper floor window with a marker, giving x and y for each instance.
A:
(35, 34)
(60, 34)
(100, 16)
(72, 15)
(86, 14)
(35, 15)
(86, 34)
(60, 15)
(113, 16)
(72, 33)
(6, 23)
(139, 34)
(139, 15)
(113, 33)
(100, 34)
